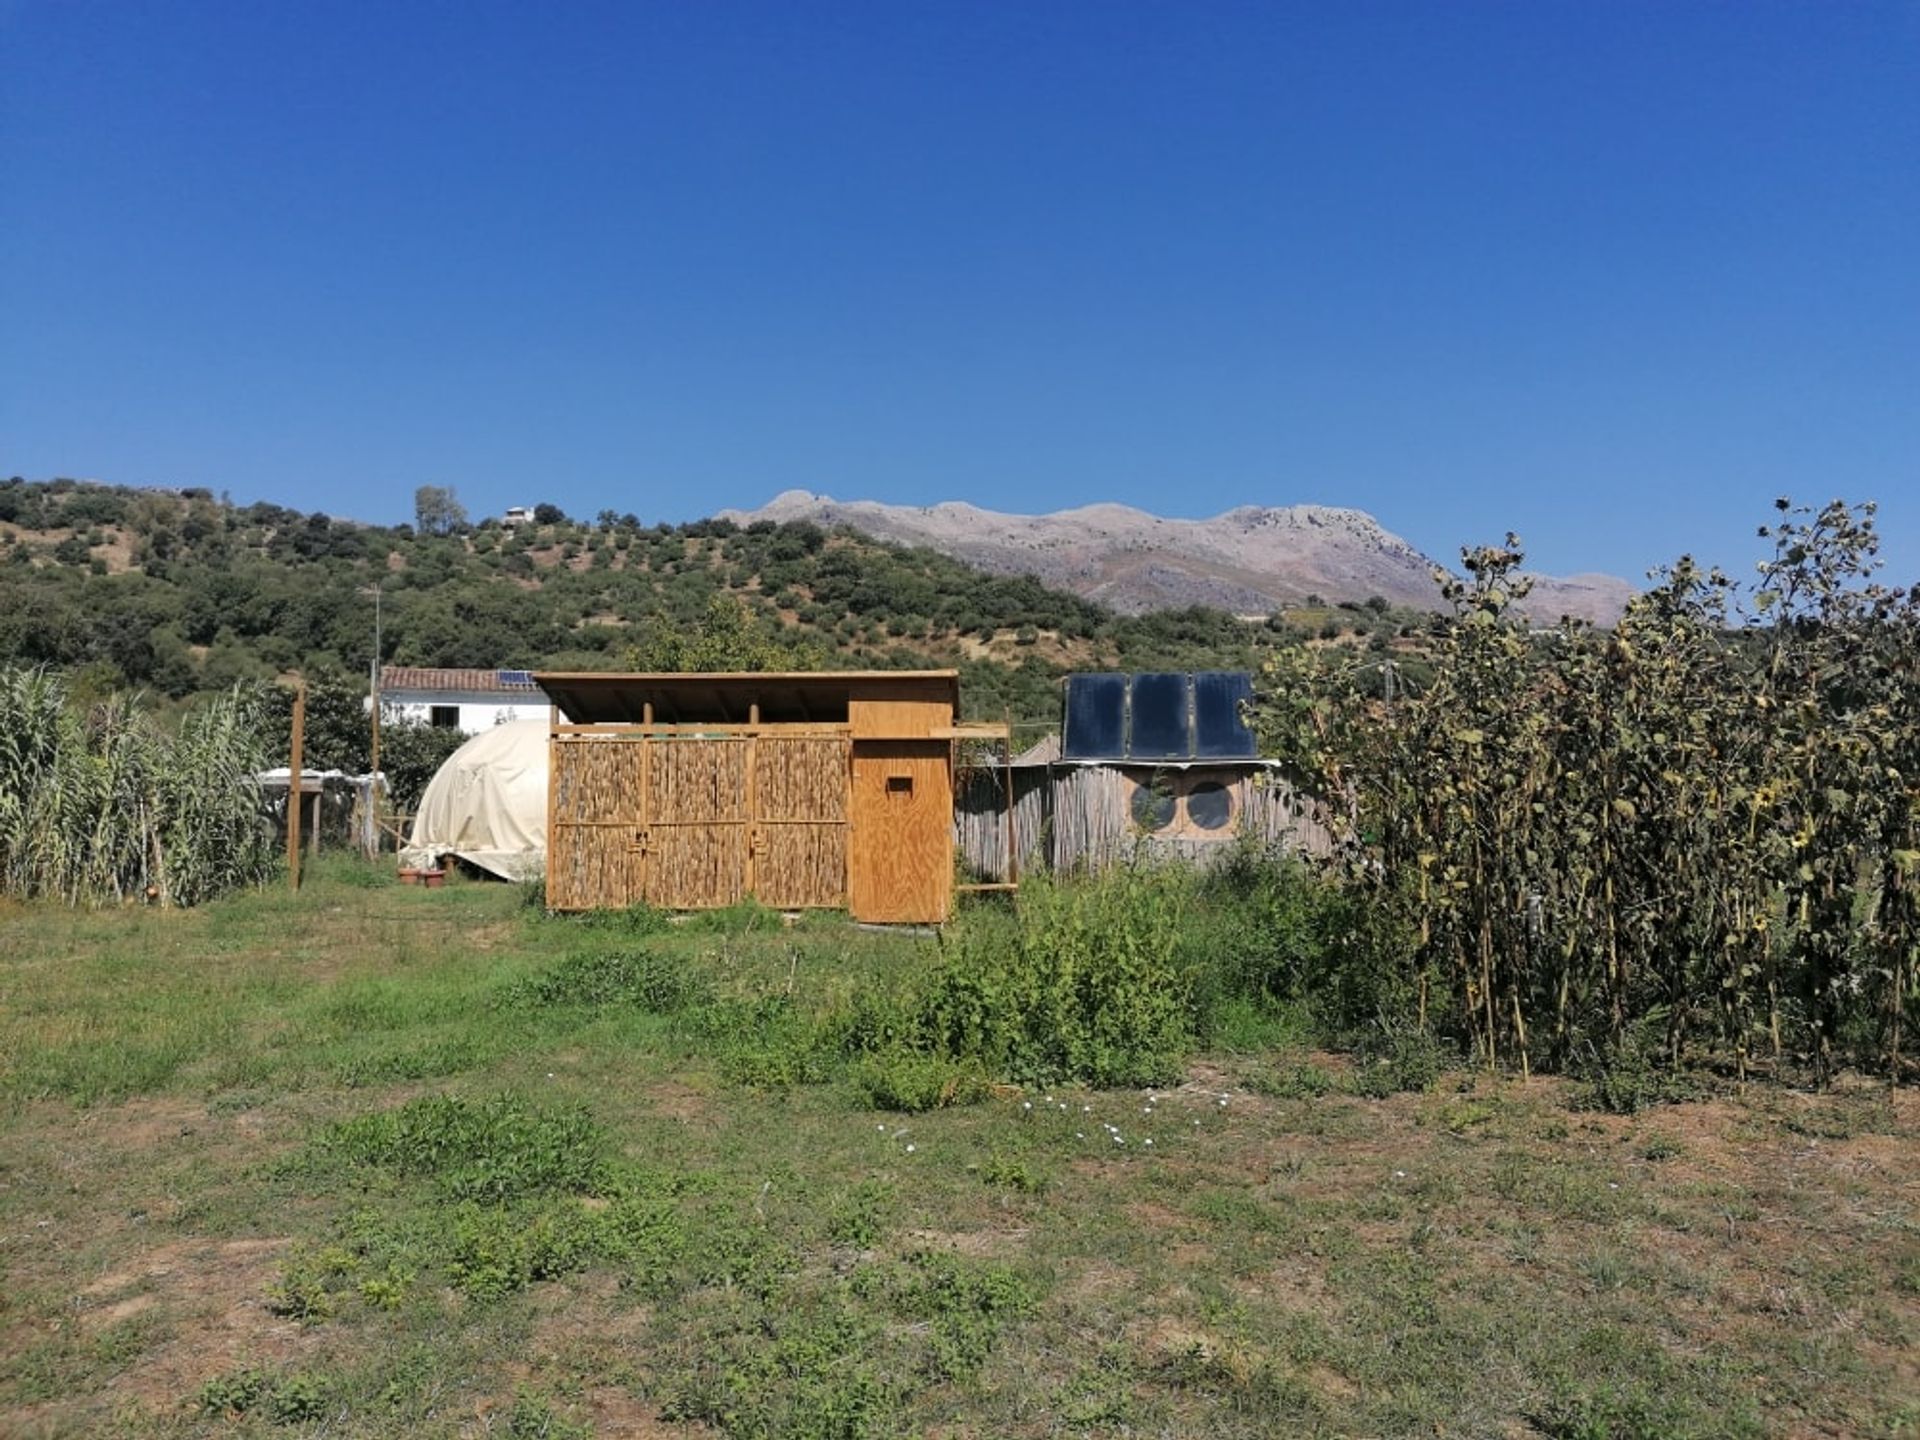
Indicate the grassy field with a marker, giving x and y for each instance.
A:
(379, 1161)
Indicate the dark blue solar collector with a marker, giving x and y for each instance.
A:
(1157, 717)
(1219, 732)
(1096, 720)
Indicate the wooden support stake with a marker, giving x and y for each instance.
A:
(553, 787)
(1013, 863)
(296, 793)
(373, 789)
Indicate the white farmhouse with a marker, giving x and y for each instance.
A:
(517, 515)
(469, 701)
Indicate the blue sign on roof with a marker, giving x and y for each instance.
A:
(1161, 717)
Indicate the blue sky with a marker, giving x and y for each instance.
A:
(1609, 274)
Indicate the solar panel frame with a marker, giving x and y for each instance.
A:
(1095, 723)
(1219, 731)
(1160, 716)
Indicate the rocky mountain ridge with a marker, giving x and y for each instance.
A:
(1249, 560)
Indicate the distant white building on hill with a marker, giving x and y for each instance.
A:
(469, 701)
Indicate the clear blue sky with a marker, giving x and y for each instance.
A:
(1609, 274)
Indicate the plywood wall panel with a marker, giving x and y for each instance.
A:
(900, 868)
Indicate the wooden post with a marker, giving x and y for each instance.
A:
(1013, 862)
(373, 790)
(553, 789)
(296, 793)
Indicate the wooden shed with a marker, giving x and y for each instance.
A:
(1154, 766)
(828, 790)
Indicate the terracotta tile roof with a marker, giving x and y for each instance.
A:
(424, 677)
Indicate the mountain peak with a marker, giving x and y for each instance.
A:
(1251, 559)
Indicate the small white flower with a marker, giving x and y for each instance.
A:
(1612, 1186)
(1147, 1141)
(881, 1128)
(909, 1147)
(1086, 1109)
(1026, 1104)
(1399, 1174)
(1078, 1135)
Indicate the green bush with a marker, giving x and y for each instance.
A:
(649, 980)
(1391, 1060)
(1627, 1075)
(490, 1150)
(1084, 984)
(914, 1082)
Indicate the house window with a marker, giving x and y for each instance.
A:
(444, 717)
(1153, 805)
(1209, 806)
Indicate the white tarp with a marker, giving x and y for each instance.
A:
(488, 804)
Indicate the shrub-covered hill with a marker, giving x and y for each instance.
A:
(184, 591)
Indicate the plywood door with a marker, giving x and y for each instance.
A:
(799, 833)
(696, 830)
(901, 865)
(595, 823)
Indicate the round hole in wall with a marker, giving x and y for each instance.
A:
(1153, 805)
(1209, 805)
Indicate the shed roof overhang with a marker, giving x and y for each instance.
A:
(728, 698)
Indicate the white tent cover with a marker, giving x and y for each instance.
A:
(488, 805)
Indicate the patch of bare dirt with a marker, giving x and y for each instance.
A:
(976, 1244)
(678, 1101)
(209, 1297)
(146, 1123)
(617, 1415)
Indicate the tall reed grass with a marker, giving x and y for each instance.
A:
(104, 804)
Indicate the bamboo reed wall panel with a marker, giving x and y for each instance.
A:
(696, 781)
(596, 780)
(800, 821)
(695, 867)
(696, 822)
(592, 867)
(593, 825)
(800, 779)
(901, 865)
(802, 866)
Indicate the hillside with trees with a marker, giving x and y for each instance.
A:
(181, 591)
